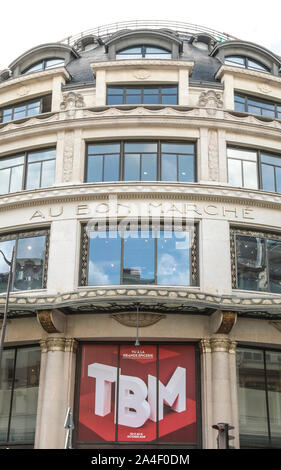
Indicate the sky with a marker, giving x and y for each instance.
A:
(28, 23)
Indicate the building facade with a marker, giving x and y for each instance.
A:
(140, 181)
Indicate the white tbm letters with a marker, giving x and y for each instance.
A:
(137, 402)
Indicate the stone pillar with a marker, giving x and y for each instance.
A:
(56, 391)
(219, 389)
(228, 82)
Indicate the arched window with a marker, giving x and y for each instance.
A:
(45, 64)
(143, 52)
(245, 62)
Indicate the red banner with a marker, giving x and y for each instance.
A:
(143, 394)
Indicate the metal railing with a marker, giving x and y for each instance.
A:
(185, 29)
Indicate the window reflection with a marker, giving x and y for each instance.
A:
(142, 95)
(139, 255)
(173, 258)
(142, 52)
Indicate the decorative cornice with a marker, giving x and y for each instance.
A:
(145, 319)
(247, 73)
(35, 76)
(59, 344)
(142, 63)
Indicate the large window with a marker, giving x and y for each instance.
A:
(26, 109)
(27, 170)
(249, 104)
(44, 64)
(152, 256)
(138, 395)
(245, 62)
(143, 52)
(259, 397)
(257, 261)
(19, 383)
(165, 95)
(254, 169)
(31, 254)
(141, 161)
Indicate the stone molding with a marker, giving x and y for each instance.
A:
(214, 345)
(247, 73)
(145, 319)
(142, 63)
(59, 344)
(26, 78)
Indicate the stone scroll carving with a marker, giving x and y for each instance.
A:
(211, 100)
(68, 156)
(71, 102)
(213, 155)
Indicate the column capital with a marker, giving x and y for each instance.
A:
(58, 344)
(205, 346)
(223, 344)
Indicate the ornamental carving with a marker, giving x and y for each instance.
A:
(52, 321)
(68, 157)
(130, 319)
(213, 156)
(142, 74)
(223, 322)
(71, 102)
(211, 100)
(23, 90)
(58, 344)
(264, 88)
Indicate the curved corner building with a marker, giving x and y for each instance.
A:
(140, 182)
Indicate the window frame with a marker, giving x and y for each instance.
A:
(261, 100)
(261, 348)
(44, 67)
(142, 88)
(193, 257)
(28, 234)
(158, 163)
(246, 60)
(143, 47)
(20, 444)
(234, 232)
(259, 153)
(26, 164)
(43, 106)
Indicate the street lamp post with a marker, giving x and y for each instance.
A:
(3, 330)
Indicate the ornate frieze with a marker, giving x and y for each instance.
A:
(130, 319)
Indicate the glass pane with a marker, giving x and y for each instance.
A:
(138, 265)
(240, 107)
(114, 99)
(140, 147)
(48, 173)
(104, 258)
(33, 109)
(251, 396)
(7, 115)
(242, 154)
(33, 176)
(133, 99)
(30, 259)
(6, 383)
(251, 266)
(250, 175)
(150, 91)
(132, 167)
(101, 149)
(20, 112)
(169, 167)
(16, 179)
(131, 50)
(42, 155)
(254, 109)
(7, 248)
(169, 91)
(115, 91)
(151, 99)
(234, 60)
(270, 159)
(53, 63)
(128, 56)
(12, 161)
(25, 396)
(155, 50)
(169, 99)
(235, 172)
(278, 180)
(252, 64)
(178, 148)
(173, 258)
(239, 99)
(268, 182)
(149, 167)
(273, 373)
(274, 265)
(94, 173)
(111, 167)
(4, 181)
(133, 91)
(35, 68)
(186, 168)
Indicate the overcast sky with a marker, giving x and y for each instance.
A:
(28, 23)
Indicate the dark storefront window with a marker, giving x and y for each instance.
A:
(31, 253)
(151, 390)
(141, 161)
(163, 257)
(19, 383)
(257, 261)
(259, 397)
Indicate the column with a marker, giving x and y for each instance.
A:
(56, 391)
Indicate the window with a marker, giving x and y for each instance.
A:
(149, 394)
(143, 52)
(253, 105)
(165, 95)
(152, 256)
(26, 109)
(257, 258)
(254, 169)
(19, 384)
(259, 397)
(31, 255)
(29, 170)
(245, 62)
(141, 161)
(44, 64)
